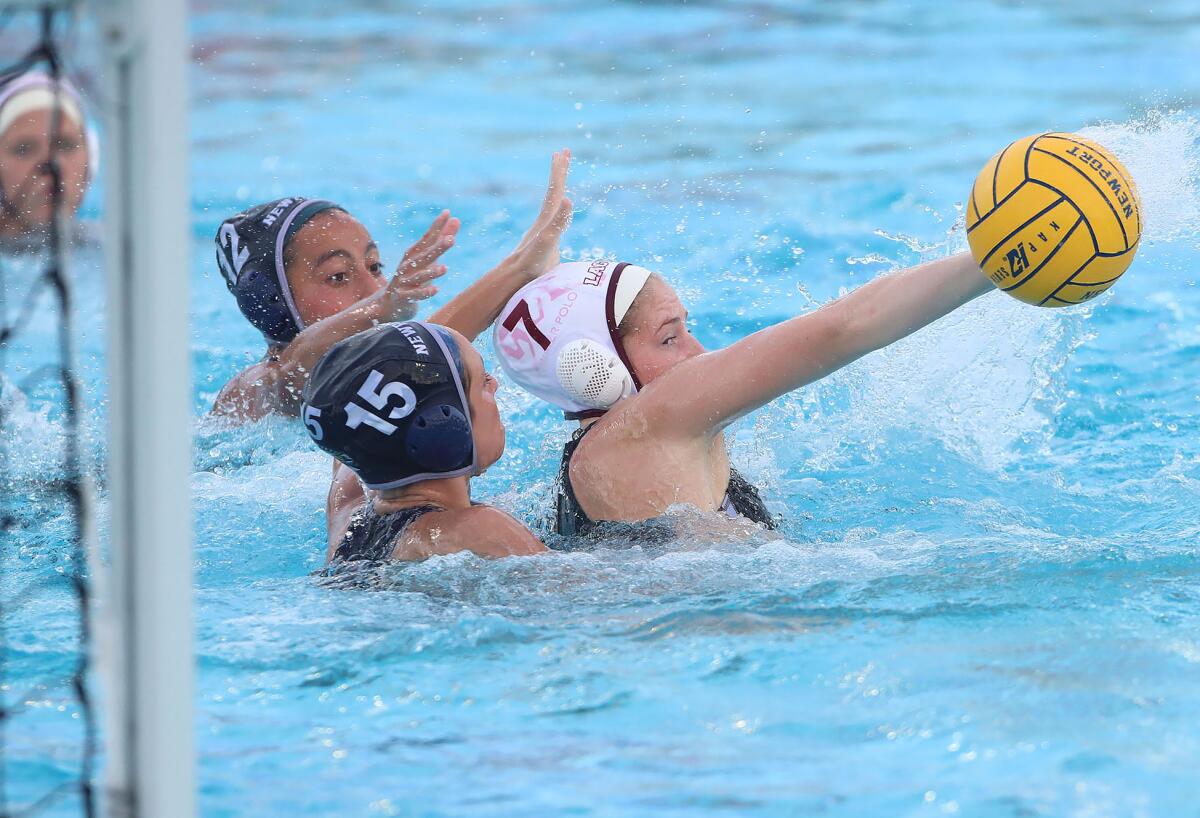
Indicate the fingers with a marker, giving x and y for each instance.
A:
(421, 293)
(560, 166)
(432, 236)
(552, 227)
(562, 218)
(418, 268)
(450, 230)
(422, 275)
(433, 232)
(406, 295)
(425, 252)
(404, 285)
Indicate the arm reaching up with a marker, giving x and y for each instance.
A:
(475, 308)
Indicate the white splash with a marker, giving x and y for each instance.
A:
(1162, 152)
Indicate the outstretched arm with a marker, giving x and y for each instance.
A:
(274, 386)
(706, 393)
(473, 310)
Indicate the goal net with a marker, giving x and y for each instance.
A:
(94, 412)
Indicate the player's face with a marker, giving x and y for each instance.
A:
(486, 424)
(331, 264)
(25, 179)
(655, 333)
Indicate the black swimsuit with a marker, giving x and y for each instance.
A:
(373, 536)
(741, 498)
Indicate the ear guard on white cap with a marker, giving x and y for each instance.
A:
(592, 374)
(558, 337)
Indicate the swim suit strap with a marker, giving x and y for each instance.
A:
(585, 414)
(743, 497)
(373, 536)
(570, 519)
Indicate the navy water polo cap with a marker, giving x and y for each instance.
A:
(250, 254)
(391, 403)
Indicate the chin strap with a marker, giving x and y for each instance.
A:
(585, 414)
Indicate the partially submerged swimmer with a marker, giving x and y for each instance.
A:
(609, 344)
(410, 414)
(41, 119)
(307, 274)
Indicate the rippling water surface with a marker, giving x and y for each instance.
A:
(987, 597)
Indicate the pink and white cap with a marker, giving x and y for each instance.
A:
(557, 337)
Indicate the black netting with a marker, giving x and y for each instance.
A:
(61, 491)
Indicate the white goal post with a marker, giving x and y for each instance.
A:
(148, 695)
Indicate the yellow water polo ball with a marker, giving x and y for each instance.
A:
(1054, 219)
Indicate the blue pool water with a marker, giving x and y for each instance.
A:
(987, 598)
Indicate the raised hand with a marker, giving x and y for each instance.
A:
(474, 309)
(538, 251)
(419, 267)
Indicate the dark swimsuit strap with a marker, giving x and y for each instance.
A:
(747, 502)
(373, 536)
(571, 519)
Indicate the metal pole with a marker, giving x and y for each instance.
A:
(151, 754)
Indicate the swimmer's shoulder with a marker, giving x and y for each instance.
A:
(631, 466)
(484, 530)
(252, 394)
(636, 431)
(651, 413)
(346, 499)
(685, 404)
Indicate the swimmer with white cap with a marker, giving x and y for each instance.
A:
(609, 344)
(35, 111)
(307, 274)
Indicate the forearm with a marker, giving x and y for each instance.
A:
(897, 305)
(473, 310)
(299, 357)
(708, 392)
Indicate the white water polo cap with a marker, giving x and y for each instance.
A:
(557, 337)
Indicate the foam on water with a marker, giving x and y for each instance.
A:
(33, 442)
(981, 382)
(1162, 153)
